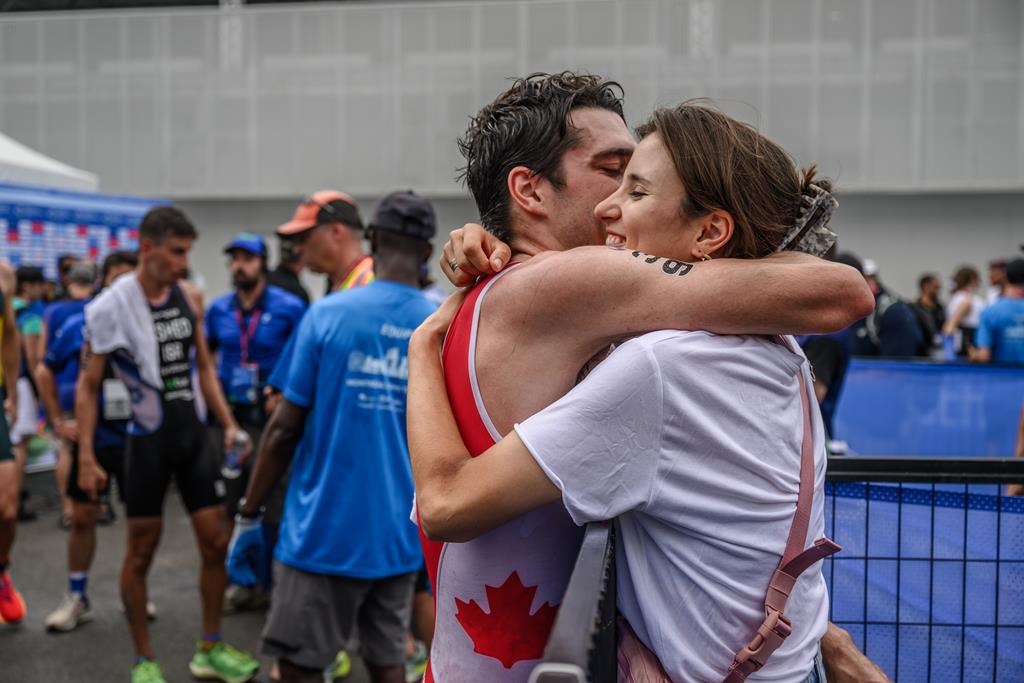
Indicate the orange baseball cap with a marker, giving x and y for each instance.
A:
(319, 208)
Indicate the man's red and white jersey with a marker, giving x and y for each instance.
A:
(497, 595)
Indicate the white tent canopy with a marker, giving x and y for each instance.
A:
(21, 164)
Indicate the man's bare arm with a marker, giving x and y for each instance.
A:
(1018, 451)
(275, 451)
(10, 346)
(91, 477)
(459, 497)
(209, 383)
(844, 663)
(47, 385)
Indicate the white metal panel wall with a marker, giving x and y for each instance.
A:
(910, 95)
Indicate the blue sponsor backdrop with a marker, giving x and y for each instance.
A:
(38, 224)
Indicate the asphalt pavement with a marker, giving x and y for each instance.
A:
(100, 651)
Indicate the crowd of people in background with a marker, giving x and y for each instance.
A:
(970, 326)
(192, 411)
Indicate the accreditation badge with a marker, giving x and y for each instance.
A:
(244, 386)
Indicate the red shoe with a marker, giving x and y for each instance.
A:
(12, 605)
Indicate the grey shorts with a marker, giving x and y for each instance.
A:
(313, 616)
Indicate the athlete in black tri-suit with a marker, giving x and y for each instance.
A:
(167, 433)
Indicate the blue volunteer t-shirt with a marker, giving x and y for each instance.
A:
(1002, 330)
(63, 357)
(347, 507)
(279, 316)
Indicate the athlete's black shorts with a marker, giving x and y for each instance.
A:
(6, 449)
(189, 455)
(111, 460)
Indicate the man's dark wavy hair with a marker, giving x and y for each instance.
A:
(527, 125)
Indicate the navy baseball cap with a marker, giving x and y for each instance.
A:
(405, 213)
(247, 241)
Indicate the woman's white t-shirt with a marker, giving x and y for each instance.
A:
(692, 440)
(973, 317)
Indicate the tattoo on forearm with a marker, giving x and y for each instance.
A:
(669, 266)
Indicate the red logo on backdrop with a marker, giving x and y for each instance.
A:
(12, 235)
(37, 227)
(133, 234)
(83, 230)
(508, 633)
(113, 242)
(94, 252)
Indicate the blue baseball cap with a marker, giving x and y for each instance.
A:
(247, 241)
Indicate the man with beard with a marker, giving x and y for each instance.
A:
(247, 330)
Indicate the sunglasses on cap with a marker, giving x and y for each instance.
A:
(345, 213)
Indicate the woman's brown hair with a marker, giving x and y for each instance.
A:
(725, 164)
(964, 277)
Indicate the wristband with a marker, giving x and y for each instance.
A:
(254, 515)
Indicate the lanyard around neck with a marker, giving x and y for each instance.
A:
(247, 332)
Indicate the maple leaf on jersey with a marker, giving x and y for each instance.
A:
(508, 633)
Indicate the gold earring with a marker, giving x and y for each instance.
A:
(704, 257)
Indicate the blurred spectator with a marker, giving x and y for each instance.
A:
(28, 312)
(931, 315)
(1001, 328)
(79, 284)
(289, 265)
(1018, 489)
(60, 288)
(996, 280)
(962, 313)
(892, 330)
(829, 356)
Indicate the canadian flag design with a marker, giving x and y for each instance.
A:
(498, 596)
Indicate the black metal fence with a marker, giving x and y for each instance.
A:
(930, 582)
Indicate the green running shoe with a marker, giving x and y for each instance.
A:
(223, 663)
(342, 667)
(147, 671)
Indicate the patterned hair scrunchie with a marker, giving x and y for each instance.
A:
(810, 233)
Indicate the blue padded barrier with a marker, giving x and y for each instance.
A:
(933, 409)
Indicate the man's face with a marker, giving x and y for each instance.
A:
(246, 269)
(320, 247)
(931, 288)
(33, 290)
(592, 171)
(997, 275)
(166, 262)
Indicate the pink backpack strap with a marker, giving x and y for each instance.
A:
(776, 627)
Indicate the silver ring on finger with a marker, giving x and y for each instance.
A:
(453, 264)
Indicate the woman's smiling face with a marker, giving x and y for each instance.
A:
(645, 213)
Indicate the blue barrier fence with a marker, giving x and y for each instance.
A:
(931, 409)
(930, 582)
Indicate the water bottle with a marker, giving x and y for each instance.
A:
(232, 468)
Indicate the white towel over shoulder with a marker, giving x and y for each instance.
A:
(120, 319)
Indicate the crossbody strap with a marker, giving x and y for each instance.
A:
(776, 627)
